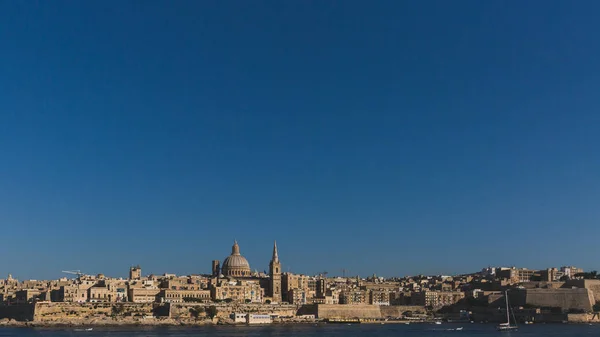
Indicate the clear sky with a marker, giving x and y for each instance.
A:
(388, 137)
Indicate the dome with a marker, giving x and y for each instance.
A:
(235, 264)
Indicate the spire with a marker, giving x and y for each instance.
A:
(275, 256)
(235, 249)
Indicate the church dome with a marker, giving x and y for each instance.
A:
(235, 264)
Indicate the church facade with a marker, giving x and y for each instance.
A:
(233, 281)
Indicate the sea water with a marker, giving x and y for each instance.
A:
(319, 330)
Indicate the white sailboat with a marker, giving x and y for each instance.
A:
(507, 326)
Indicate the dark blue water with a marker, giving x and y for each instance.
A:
(359, 330)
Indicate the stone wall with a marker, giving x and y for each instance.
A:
(348, 311)
(19, 312)
(65, 311)
(187, 310)
(583, 318)
(579, 298)
(396, 311)
(593, 285)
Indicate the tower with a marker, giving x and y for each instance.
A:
(216, 268)
(275, 273)
(135, 273)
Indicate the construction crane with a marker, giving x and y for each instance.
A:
(74, 272)
(323, 273)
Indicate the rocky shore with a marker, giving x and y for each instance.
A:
(109, 322)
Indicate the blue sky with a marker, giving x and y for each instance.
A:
(385, 137)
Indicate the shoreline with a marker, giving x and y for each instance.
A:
(210, 323)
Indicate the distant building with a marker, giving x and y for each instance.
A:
(297, 296)
(181, 296)
(238, 291)
(516, 275)
(73, 293)
(379, 297)
(302, 283)
(100, 294)
(27, 295)
(571, 271)
(239, 317)
(143, 295)
(353, 297)
(436, 299)
(135, 273)
(258, 319)
(551, 275)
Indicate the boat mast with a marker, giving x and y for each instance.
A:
(507, 312)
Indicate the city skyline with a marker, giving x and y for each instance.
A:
(393, 138)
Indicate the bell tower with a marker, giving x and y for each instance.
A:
(275, 274)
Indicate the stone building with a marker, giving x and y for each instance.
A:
(570, 271)
(185, 283)
(353, 296)
(379, 297)
(238, 291)
(143, 295)
(73, 293)
(180, 296)
(27, 295)
(297, 296)
(291, 281)
(515, 275)
(436, 299)
(101, 294)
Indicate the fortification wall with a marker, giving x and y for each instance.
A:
(579, 298)
(580, 318)
(201, 310)
(19, 312)
(65, 311)
(593, 285)
(348, 311)
(396, 311)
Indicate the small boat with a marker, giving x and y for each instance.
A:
(507, 326)
(438, 322)
(87, 329)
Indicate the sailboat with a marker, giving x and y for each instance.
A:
(507, 326)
